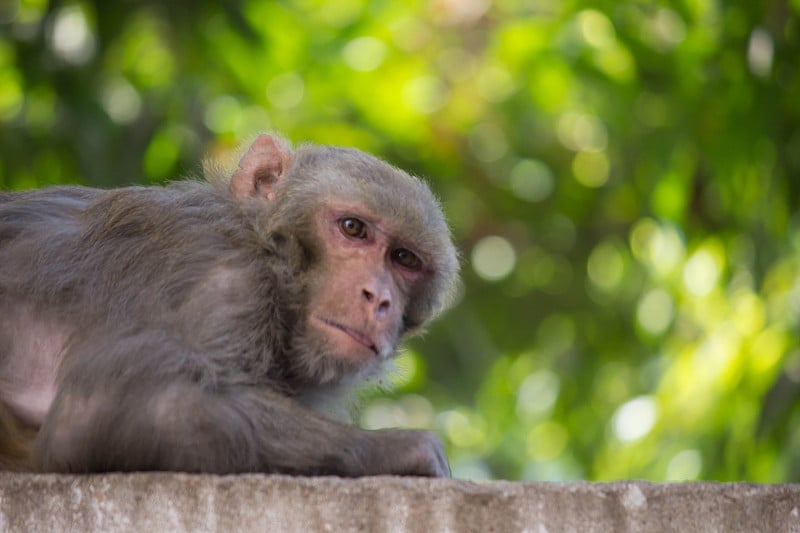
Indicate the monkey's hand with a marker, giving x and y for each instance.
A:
(407, 453)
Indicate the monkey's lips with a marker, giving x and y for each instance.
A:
(354, 334)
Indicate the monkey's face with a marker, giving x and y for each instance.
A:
(362, 285)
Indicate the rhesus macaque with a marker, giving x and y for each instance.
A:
(202, 326)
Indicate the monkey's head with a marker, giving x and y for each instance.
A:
(382, 260)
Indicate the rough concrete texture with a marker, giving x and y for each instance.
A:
(179, 502)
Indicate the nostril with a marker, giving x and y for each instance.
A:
(380, 301)
(382, 309)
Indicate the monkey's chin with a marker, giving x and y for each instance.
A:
(346, 343)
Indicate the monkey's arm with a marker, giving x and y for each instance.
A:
(153, 414)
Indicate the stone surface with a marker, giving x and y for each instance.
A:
(179, 502)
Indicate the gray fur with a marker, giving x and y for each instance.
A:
(173, 314)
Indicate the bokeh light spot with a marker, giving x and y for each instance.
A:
(655, 311)
(531, 180)
(634, 419)
(493, 258)
(538, 393)
(684, 466)
(591, 169)
(760, 51)
(70, 37)
(605, 266)
(595, 28)
(659, 247)
(364, 54)
(411, 411)
(285, 91)
(664, 30)
(495, 84)
(121, 101)
(701, 273)
(546, 441)
(223, 114)
(582, 132)
(463, 429)
(425, 94)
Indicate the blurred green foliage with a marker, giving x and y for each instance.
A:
(622, 178)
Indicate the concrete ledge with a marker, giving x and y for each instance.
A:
(179, 502)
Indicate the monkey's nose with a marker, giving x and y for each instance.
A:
(382, 302)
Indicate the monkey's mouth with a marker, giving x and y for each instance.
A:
(354, 334)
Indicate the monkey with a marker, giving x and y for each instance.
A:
(207, 325)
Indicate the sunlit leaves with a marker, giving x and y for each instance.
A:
(11, 96)
(620, 178)
(142, 52)
(364, 54)
(164, 151)
(285, 91)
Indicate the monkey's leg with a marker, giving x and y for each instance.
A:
(182, 427)
(154, 415)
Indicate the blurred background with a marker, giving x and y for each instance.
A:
(622, 179)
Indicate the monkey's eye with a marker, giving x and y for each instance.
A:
(353, 227)
(406, 259)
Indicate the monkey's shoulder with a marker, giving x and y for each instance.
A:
(180, 212)
(25, 207)
(177, 200)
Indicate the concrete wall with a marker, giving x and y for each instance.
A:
(178, 502)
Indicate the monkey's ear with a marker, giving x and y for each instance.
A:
(264, 163)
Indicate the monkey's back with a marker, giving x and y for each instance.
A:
(54, 247)
(182, 256)
(30, 325)
(176, 259)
